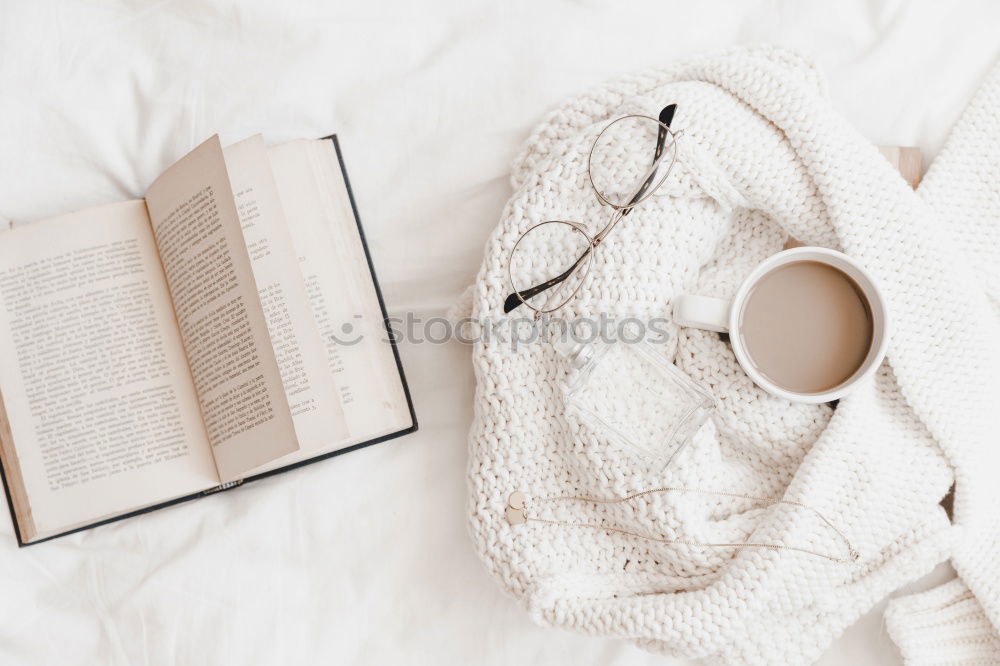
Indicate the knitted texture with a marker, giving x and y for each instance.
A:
(958, 623)
(945, 625)
(762, 157)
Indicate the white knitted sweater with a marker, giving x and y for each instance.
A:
(763, 156)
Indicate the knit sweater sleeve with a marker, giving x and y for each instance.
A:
(945, 625)
(959, 622)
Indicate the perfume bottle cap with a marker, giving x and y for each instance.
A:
(576, 352)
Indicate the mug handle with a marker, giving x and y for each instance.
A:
(711, 314)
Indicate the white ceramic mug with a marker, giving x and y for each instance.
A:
(716, 314)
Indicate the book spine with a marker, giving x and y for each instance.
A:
(224, 486)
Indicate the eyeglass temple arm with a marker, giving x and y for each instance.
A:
(516, 299)
(666, 115)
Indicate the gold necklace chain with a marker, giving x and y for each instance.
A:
(517, 514)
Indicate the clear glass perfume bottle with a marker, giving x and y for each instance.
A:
(631, 394)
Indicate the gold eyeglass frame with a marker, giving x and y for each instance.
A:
(645, 190)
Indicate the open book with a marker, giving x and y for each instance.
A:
(227, 326)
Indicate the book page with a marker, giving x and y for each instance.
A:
(101, 406)
(295, 337)
(222, 323)
(341, 290)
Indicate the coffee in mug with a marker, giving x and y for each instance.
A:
(807, 324)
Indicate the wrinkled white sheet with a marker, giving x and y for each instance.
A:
(365, 559)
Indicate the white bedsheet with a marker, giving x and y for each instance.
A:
(365, 559)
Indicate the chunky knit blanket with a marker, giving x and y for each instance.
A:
(762, 157)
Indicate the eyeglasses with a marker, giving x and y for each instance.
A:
(551, 260)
